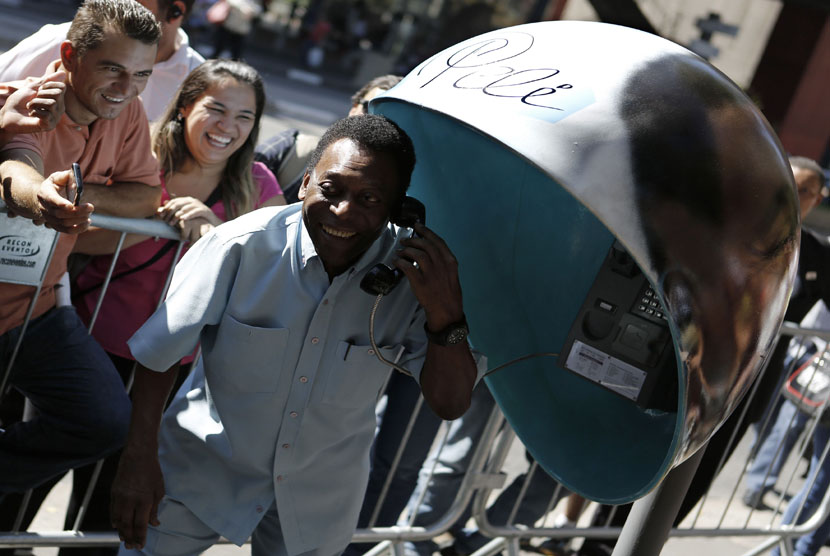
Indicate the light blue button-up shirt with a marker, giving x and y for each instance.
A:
(281, 404)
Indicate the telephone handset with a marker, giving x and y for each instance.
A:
(382, 278)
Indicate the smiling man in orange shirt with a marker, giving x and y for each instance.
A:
(83, 409)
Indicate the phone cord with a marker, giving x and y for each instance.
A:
(404, 371)
(372, 339)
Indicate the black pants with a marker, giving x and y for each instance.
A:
(96, 517)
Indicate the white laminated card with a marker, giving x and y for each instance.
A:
(25, 250)
(608, 371)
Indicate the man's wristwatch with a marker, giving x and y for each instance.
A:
(454, 333)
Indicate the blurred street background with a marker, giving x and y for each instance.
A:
(315, 53)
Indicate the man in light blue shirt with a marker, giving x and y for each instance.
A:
(269, 436)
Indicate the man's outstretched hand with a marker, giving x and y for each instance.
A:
(32, 104)
(55, 210)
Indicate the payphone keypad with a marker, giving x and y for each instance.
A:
(649, 305)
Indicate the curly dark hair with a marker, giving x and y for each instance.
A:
(376, 133)
(128, 17)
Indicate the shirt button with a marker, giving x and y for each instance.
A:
(303, 379)
(286, 446)
(279, 478)
(259, 509)
(325, 302)
(315, 340)
(371, 352)
(293, 414)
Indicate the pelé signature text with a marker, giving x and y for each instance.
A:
(487, 58)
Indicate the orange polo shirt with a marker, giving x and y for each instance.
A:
(109, 152)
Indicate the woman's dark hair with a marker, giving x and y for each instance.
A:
(237, 184)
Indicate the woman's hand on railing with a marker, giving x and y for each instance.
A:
(186, 208)
(190, 215)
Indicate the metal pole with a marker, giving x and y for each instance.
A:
(648, 525)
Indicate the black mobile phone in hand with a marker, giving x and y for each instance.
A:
(79, 183)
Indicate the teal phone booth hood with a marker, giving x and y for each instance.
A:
(541, 145)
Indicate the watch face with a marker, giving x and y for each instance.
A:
(456, 336)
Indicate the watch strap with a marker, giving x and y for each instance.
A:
(442, 337)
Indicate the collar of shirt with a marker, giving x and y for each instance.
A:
(66, 121)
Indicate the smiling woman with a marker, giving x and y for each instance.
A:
(205, 140)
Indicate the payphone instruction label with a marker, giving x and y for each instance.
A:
(597, 366)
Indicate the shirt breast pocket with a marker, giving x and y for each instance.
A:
(250, 358)
(358, 375)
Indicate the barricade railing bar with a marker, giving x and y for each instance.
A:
(74, 537)
(486, 476)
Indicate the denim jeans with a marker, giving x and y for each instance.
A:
(402, 394)
(819, 478)
(450, 467)
(765, 468)
(83, 411)
(531, 507)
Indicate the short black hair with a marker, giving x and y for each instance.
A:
(376, 133)
(384, 82)
(127, 17)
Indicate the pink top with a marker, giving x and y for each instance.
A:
(131, 299)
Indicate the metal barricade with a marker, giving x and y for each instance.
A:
(491, 461)
(74, 537)
(717, 513)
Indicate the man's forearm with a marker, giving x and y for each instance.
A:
(448, 378)
(130, 200)
(150, 392)
(138, 487)
(20, 185)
